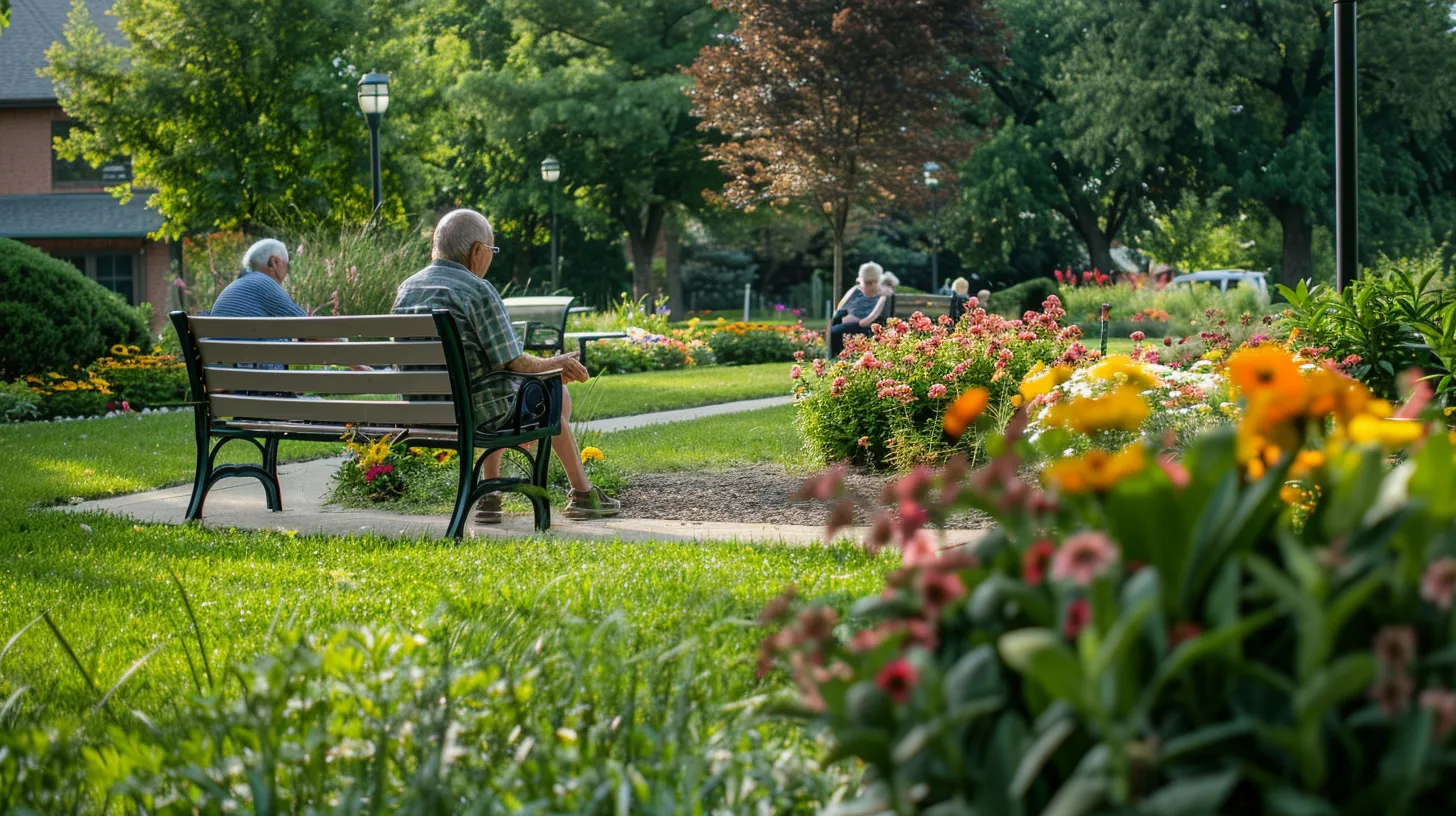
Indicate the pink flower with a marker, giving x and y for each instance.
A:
(919, 549)
(864, 442)
(1438, 585)
(1442, 705)
(1392, 692)
(375, 472)
(1034, 562)
(1395, 646)
(798, 356)
(1138, 337)
(1079, 613)
(125, 406)
(796, 372)
(939, 589)
(937, 391)
(1083, 557)
(897, 679)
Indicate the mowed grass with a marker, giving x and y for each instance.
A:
(615, 395)
(765, 436)
(107, 583)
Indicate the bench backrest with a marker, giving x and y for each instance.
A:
(932, 306)
(214, 347)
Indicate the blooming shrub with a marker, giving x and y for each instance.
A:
(1144, 635)
(752, 343)
(884, 400)
(646, 351)
(80, 394)
(143, 380)
(381, 469)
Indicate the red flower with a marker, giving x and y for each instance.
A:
(1183, 632)
(897, 679)
(375, 472)
(1034, 562)
(939, 589)
(1079, 613)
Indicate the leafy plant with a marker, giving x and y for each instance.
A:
(17, 402)
(1140, 635)
(753, 343)
(1027, 296)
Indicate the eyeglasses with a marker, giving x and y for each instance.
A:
(494, 250)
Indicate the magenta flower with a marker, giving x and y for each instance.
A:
(1138, 337)
(375, 472)
(937, 391)
(897, 680)
(1438, 585)
(1083, 557)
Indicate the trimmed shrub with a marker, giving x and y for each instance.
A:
(1027, 296)
(53, 318)
(754, 343)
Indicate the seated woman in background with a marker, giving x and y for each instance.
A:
(888, 283)
(960, 287)
(861, 308)
(959, 291)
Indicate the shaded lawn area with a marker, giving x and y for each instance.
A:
(110, 592)
(615, 395)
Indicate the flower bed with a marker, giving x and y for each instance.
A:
(126, 380)
(884, 400)
(1261, 626)
(752, 343)
(647, 351)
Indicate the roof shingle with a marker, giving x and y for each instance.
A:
(34, 25)
(76, 215)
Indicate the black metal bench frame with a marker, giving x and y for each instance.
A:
(329, 420)
(531, 330)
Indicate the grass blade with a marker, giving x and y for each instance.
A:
(11, 701)
(196, 630)
(129, 672)
(16, 636)
(75, 661)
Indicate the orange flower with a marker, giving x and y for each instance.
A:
(1269, 376)
(964, 411)
(1095, 470)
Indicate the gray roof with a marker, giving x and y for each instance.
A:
(76, 215)
(34, 25)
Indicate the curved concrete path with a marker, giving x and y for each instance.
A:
(239, 503)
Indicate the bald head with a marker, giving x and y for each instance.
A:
(457, 233)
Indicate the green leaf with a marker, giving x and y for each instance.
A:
(976, 674)
(1345, 678)
(1405, 761)
(1290, 802)
(1192, 796)
(1085, 789)
(1191, 651)
(1121, 636)
(1196, 742)
(1042, 656)
(1036, 757)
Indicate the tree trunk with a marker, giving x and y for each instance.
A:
(643, 225)
(673, 235)
(1298, 260)
(521, 263)
(1099, 244)
(838, 265)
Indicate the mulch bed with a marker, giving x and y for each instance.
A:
(757, 495)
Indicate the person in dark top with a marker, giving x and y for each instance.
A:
(860, 309)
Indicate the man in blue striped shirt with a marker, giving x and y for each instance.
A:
(258, 291)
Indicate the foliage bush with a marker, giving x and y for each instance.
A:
(716, 277)
(143, 380)
(646, 352)
(81, 394)
(53, 318)
(1176, 311)
(623, 314)
(1027, 296)
(885, 399)
(1398, 314)
(753, 343)
(18, 402)
(1140, 635)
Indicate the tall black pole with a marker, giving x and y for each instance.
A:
(935, 241)
(555, 262)
(374, 119)
(1346, 140)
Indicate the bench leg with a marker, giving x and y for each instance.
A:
(540, 473)
(272, 487)
(463, 497)
(201, 482)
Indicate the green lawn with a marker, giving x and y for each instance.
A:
(715, 443)
(627, 394)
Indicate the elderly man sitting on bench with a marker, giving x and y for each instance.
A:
(455, 281)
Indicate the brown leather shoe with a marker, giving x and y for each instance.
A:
(488, 509)
(585, 505)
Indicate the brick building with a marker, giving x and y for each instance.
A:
(62, 207)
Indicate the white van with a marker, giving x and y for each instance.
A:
(1226, 279)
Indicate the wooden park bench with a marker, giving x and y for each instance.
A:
(904, 307)
(540, 322)
(414, 355)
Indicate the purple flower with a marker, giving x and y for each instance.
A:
(779, 307)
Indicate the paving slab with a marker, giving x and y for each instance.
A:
(628, 423)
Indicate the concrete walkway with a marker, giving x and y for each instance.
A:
(628, 423)
(239, 503)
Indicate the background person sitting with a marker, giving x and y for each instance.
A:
(860, 308)
(455, 281)
(889, 282)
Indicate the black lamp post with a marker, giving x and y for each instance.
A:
(374, 101)
(1346, 138)
(933, 185)
(551, 173)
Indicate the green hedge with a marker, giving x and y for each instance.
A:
(53, 317)
(1027, 296)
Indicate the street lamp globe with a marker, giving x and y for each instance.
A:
(550, 170)
(374, 93)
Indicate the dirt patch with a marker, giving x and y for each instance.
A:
(758, 495)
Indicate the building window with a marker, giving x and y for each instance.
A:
(114, 271)
(80, 174)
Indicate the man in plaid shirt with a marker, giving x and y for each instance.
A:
(455, 281)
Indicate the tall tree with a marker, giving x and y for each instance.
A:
(839, 103)
(236, 113)
(1249, 87)
(1026, 174)
(599, 84)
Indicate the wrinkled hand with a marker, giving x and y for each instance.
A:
(572, 371)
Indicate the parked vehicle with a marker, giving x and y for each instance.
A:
(1226, 279)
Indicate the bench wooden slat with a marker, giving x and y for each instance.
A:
(265, 328)
(340, 430)
(421, 352)
(223, 378)
(379, 412)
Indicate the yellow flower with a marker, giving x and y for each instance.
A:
(1095, 470)
(1268, 370)
(1390, 433)
(1213, 355)
(1124, 367)
(590, 454)
(1121, 409)
(53, 375)
(1041, 380)
(118, 350)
